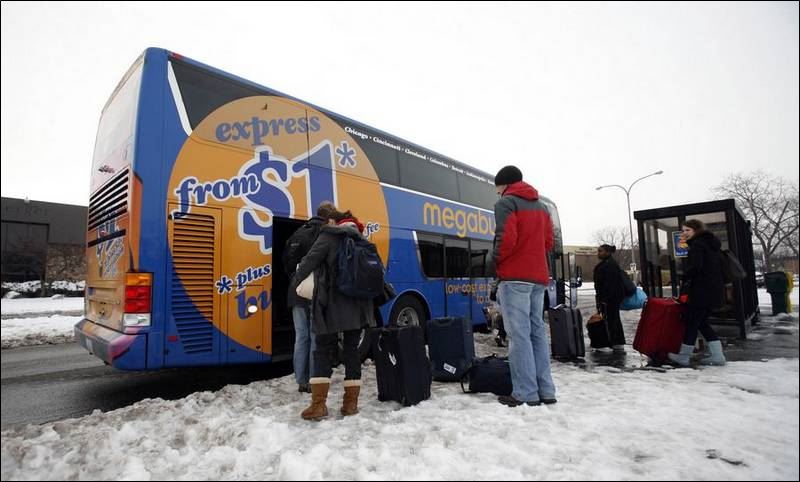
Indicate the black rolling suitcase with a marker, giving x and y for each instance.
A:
(451, 346)
(566, 333)
(401, 365)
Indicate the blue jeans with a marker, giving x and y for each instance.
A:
(529, 348)
(303, 345)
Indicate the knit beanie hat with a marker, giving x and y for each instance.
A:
(507, 175)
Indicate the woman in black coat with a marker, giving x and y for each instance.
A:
(332, 313)
(706, 291)
(609, 294)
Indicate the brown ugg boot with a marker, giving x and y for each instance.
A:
(319, 395)
(350, 401)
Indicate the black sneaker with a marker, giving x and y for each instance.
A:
(510, 401)
(548, 401)
(304, 388)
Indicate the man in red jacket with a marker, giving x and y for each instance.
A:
(523, 236)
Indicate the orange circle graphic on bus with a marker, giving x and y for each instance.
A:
(247, 163)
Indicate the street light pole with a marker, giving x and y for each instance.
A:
(630, 218)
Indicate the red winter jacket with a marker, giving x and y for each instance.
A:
(523, 236)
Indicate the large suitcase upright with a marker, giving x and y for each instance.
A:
(401, 365)
(566, 333)
(660, 329)
(451, 346)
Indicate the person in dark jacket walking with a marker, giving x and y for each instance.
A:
(523, 236)
(609, 294)
(703, 276)
(297, 246)
(332, 313)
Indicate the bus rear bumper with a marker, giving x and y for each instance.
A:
(120, 350)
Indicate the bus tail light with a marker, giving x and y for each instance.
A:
(138, 299)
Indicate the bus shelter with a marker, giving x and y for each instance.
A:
(662, 257)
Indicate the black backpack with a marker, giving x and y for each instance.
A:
(732, 269)
(298, 245)
(359, 269)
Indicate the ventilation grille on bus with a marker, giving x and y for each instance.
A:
(193, 290)
(110, 201)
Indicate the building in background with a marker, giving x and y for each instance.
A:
(585, 258)
(42, 241)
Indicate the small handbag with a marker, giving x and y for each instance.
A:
(597, 328)
(306, 287)
(595, 318)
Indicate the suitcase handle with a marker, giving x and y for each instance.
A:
(380, 341)
(443, 321)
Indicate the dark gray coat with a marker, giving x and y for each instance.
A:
(331, 311)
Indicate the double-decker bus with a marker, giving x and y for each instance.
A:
(198, 179)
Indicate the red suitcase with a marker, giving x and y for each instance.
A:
(660, 329)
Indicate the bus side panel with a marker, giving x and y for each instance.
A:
(404, 272)
(409, 211)
(193, 303)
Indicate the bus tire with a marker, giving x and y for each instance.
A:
(408, 310)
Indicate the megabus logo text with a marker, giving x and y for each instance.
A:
(256, 128)
(463, 221)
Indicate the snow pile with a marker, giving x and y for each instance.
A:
(734, 422)
(36, 306)
(39, 321)
(39, 330)
(30, 287)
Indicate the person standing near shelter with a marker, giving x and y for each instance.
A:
(333, 312)
(704, 279)
(523, 236)
(296, 247)
(610, 293)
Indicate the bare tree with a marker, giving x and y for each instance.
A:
(619, 236)
(769, 203)
(791, 229)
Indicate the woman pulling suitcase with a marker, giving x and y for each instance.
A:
(704, 280)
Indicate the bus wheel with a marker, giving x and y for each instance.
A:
(408, 311)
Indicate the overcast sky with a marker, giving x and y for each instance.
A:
(576, 95)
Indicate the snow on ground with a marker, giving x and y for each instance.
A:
(39, 321)
(38, 330)
(28, 306)
(718, 423)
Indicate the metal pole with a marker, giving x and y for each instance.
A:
(630, 218)
(630, 225)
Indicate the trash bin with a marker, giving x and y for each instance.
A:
(778, 287)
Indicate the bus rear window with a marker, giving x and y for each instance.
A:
(118, 122)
